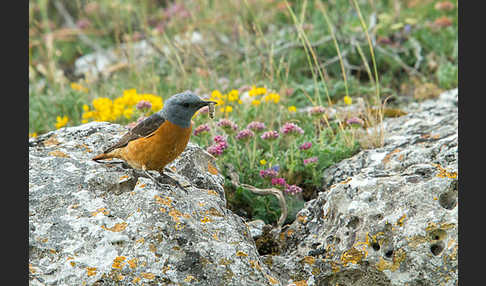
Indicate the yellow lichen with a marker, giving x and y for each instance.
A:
(132, 263)
(398, 257)
(164, 201)
(206, 220)
(352, 255)
(118, 262)
(271, 279)
(90, 271)
(189, 278)
(309, 260)
(212, 192)
(147, 275)
(100, 210)
(175, 214)
(443, 173)
(117, 227)
(401, 219)
(58, 153)
(240, 253)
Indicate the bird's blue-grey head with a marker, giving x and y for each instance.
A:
(180, 108)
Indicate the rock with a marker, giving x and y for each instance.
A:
(256, 228)
(102, 224)
(389, 215)
(142, 52)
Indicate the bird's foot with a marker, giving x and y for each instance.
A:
(169, 179)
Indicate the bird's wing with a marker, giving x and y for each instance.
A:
(143, 129)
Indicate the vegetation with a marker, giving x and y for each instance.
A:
(286, 74)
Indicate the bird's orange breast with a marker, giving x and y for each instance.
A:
(157, 150)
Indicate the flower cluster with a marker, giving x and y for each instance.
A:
(293, 189)
(105, 109)
(274, 97)
(219, 146)
(245, 134)
(79, 87)
(61, 121)
(254, 91)
(270, 135)
(290, 128)
(256, 126)
(269, 173)
(310, 160)
(143, 104)
(355, 121)
(227, 124)
(305, 146)
(201, 128)
(279, 182)
(272, 175)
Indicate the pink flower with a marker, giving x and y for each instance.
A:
(305, 146)
(279, 182)
(270, 135)
(256, 126)
(292, 189)
(144, 104)
(310, 160)
(270, 173)
(219, 139)
(219, 146)
(227, 124)
(245, 134)
(201, 128)
(355, 120)
(290, 128)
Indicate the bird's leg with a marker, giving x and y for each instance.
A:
(144, 169)
(172, 179)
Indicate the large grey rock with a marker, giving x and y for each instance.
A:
(96, 224)
(389, 216)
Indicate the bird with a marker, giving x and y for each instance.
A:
(160, 138)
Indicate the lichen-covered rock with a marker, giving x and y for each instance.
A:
(102, 224)
(389, 216)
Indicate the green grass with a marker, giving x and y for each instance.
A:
(374, 49)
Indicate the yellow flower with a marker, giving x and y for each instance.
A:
(128, 113)
(78, 87)
(233, 95)
(229, 109)
(85, 107)
(275, 97)
(263, 162)
(255, 102)
(348, 100)
(239, 101)
(61, 121)
(292, 108)
(33, 135)
(216, 94)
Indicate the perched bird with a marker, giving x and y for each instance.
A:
(160, 138)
